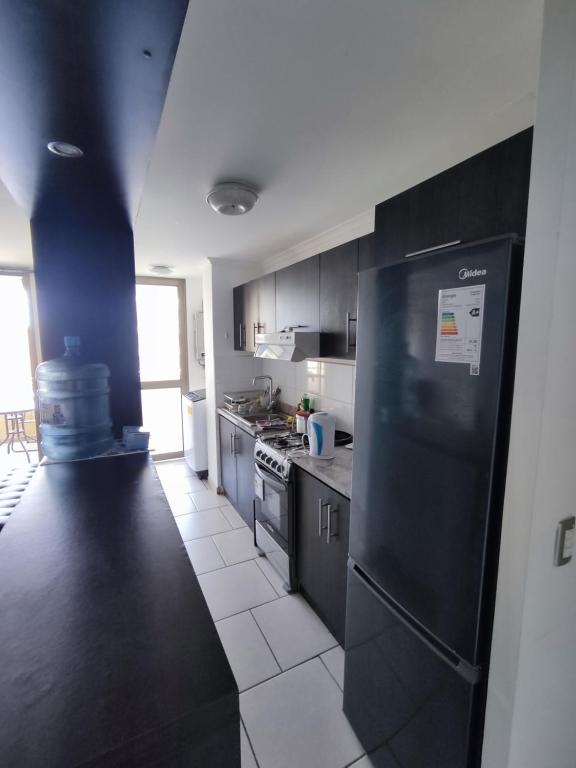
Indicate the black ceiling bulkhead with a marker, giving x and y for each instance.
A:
(90, 72)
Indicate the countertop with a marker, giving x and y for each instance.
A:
(108, 653)
(336, 472)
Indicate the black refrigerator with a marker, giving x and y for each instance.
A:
(435, 363)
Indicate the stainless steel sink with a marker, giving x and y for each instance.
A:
(253, 418)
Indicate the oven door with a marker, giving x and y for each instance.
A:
(272, 508)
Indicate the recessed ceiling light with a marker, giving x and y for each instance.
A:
(160, 269)
(63, 149)
(232, 198)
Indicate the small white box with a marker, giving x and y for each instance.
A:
(135, 438)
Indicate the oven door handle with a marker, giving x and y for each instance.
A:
(269, 478)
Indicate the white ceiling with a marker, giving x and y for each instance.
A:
(328, 106)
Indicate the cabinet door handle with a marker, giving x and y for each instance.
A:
(321, 505)
(329, 532)
(234, 438)
(349, 319)
(231, 443)
(433, 248)
(255, 330)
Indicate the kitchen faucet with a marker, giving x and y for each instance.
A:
(270, 396)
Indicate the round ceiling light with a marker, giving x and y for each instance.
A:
(160, 269)
(232, 198)
(64, 149)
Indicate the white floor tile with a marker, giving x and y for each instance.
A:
(334, 661)
(185, 484)
(174, 468)
(204, 555)
(206, 500)
(235, 589)
(200, 524)
(232, 516)
(247, 756)
(236, 546)
(272, 575)
(180, 503)
(293, 630)
(296, 719)
(247, 651)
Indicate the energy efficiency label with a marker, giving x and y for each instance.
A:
(459, 326)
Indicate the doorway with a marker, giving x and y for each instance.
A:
(18, 351)
(162, 346)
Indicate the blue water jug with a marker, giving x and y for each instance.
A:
(73, 400)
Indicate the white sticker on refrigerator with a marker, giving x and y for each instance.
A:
(459, 328)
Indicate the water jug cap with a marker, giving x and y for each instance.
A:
(71, 341)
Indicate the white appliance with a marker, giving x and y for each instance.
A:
(288, 345)
(194, 431)
(321, 431)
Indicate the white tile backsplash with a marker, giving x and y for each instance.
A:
(330, 386)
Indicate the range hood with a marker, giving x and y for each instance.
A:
(288, 345)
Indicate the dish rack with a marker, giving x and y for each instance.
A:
(243, 403)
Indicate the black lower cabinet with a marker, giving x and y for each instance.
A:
(408, 704)
(237, 468)
(228, 459)
(322, 523)
(244, 447)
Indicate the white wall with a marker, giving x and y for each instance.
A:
(196, 374)
(531, 711)
(329, 384)
(225, 368)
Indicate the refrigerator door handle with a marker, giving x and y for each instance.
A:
(469, 672)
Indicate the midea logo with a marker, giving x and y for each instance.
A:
(464, 274)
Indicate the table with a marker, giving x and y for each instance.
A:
(108, 654)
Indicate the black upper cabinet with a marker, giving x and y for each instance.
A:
(338, 297)
(254, 311)
(484, 196)
(433, 212)
(493, 192)
(298, 295)
(239, 319)
(366, 252)
(392, 225)
(267, 303)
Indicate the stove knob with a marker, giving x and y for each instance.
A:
(274, 465)
(258, 454)
(268, 459)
